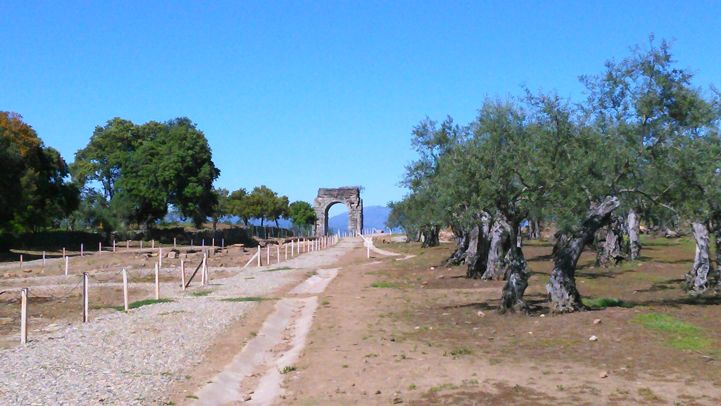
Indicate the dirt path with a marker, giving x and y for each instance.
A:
(366, 348)
(254, 371)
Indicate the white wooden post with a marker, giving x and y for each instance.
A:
(277, 254)
(291, 247)
(67, 265)
(63, 252)
(212, 244)
(368, 250)
(43, 258)
(202, 273)
(174, 242)
(285, 246)
(157, 282)
(127, 245)
(125, 289)
(152, 244)
(21, 261)
(23, 315)
(160, 257)
(202, 242)
(85, 296)
(182, 274)
(113, 245)
(259, 255)
(100, 247)
(82, 253)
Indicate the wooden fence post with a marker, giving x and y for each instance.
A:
(285, 246)
(113, 245)
(100, 247)
(174, 242)
(82, 250)
(43, 258)
(86, 299)
(63, 252)
(202, 271)
(157, 282)
(21, 261)
(182, 273)
(259, 261)
(127, 245)
(160, 257)
(24, 315)
(67, 265)
(125, 289)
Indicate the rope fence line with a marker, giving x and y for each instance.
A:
(316, 244)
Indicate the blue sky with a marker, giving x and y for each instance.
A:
(300, 95)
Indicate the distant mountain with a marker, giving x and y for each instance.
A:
(373, 217)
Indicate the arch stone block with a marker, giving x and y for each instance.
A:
(327, 197)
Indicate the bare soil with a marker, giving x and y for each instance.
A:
(415, 332)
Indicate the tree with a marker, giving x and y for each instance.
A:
(108, 151)
(262, 203)
(222, 207)
(238, 203)
(35, 191)
(145, 168)
(301, 214)
(279, 209)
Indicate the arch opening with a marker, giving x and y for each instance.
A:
(348, 196)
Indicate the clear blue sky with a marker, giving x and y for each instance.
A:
(299, 95)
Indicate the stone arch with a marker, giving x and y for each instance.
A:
(327, 197)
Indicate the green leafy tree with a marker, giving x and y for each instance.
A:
(302, 214)
(222, 207)
(238, 202)
(35, 191)
(262, 203)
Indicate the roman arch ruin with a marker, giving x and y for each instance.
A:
(350, 196)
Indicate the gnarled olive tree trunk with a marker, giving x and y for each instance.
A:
(611, 249)
(462, 241)
(499, 244)
(478, 245)
(633, 238)
(562, 285)
(697, 278)
(517, 275)
(430, 236)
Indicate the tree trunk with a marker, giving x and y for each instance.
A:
(717, 241)
(430, 236)
(499, 245)
(478, 245)
(517, 275)
(697, 278)
(611, 248)
(459, 255)
(536, 230)
(633, 240)
(562, 285)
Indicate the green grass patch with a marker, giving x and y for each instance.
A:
(201, 293)
(459, 352)
(243, 299)
(386, 285)
(678, 334)
(442, 387)
(604, 302)
(285, 268)
(287, 368)
(141, 303)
